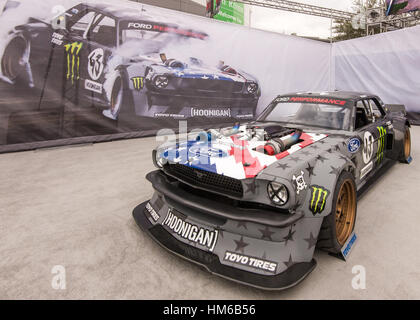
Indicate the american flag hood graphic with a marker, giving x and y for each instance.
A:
(234, 152)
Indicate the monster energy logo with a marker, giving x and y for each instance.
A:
(138, 83)
(381, 145)
(318, 199)
(73, 60)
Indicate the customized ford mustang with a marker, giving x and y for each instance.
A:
(114, 58)
(251, 202)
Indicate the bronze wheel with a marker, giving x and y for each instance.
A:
(337, 226)
(407, 144)
(345, 214)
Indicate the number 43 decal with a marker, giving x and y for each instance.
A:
(96, 63)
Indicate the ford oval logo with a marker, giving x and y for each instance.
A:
(353, 145)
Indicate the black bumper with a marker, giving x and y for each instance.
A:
(289, 278)
(185, 201)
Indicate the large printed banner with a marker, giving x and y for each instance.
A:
(402, 6)
(75, 71)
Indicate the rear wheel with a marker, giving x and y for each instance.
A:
(406, 153)
(338, 226)
(121, 107)
(12, 64)
(116, 101)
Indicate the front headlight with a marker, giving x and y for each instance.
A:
(161, 82)
(252, 87)
(159, 162)
(277, 192)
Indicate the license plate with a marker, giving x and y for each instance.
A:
(176, 223)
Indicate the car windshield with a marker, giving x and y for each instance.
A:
(308, 114)
(130, 35)
(152, 41)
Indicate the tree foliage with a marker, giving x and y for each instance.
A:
(344, 30)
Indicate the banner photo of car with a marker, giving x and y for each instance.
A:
(402, 6)
(95, 71)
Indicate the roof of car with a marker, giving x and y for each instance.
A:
(118, 11)
(129, 12)
(344, 95)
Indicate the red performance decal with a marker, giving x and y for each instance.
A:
(144, 25)
(186, 33)
(319, 100)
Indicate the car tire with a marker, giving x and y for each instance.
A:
(339, 224)
(406, 149)
(119, 103)
(11, 65)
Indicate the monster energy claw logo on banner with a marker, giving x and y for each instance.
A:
(73, 60)
(138, 83)
(319, 197)
(381, 144)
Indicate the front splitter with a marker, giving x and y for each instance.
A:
(289, 278)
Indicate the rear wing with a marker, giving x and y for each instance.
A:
(395, 108)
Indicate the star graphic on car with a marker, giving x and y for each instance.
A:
(250, 187)
(310, 170)
(240, 245)
(321, 158)
(335, 171)
(295, 159)
(283, 166)
(266, 233)
(242, 224)
(289, 237)
(289, 263)
(311, 241)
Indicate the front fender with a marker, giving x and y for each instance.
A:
(318, 199)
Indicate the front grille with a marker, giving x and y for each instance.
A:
(222, 86)
(206, 180)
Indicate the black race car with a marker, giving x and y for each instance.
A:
(114, 57)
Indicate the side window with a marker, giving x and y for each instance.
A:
(363, 114)
(103, 32)
(80, 27)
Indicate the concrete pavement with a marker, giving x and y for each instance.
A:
(72, 207)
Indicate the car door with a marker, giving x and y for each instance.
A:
(100, 40)
(373, 132)
(70, 52)
(85, 47)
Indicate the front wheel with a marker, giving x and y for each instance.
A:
(339, 224)
(12, 64)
